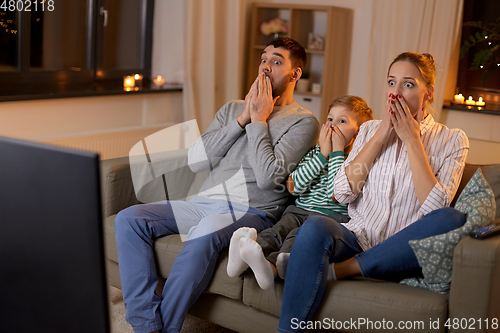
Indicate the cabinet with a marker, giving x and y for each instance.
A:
(328, 59)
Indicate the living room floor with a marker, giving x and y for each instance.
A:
(119, 325)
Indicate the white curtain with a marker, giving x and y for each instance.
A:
(213, 50)
(424, 26)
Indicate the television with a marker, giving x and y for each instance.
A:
(52, 273)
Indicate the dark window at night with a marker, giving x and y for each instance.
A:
(469, 81)
(73, 44)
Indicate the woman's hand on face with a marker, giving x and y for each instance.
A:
(338, 139)
(406, 127)
(386, 124)
(325, 140)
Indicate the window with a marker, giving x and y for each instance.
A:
(469, 81)
(49, 46)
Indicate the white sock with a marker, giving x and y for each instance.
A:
(252, 254)
(281, 264)
(236, 265)
(331, 272)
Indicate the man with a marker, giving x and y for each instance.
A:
(249, 149)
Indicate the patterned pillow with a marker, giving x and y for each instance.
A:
(435, 254)
(492, 175)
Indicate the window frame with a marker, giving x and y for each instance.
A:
(467, 79)
(24, 82)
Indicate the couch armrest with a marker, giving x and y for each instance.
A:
(475, 282)
(116, 185)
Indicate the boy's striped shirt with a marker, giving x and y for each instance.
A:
(313, 182)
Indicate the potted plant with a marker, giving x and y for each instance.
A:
(484, 44)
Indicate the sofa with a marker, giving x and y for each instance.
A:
(354, 305)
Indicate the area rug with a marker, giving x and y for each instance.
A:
(119, 324)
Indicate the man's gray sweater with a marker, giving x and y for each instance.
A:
(251, 165)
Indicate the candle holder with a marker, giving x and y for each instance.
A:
(128, 82)
(470, 101)
(158, 82)
(480, 102)
(458, 99)
(138, 80)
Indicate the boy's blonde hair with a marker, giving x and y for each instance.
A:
(357, 105)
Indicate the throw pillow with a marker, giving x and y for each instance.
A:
(492, 175)
(435, 254)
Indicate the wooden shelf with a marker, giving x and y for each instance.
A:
(306, 93)
(315, 51)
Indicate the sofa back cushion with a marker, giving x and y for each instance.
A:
(491, 173)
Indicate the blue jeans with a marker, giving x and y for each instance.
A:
(210, 223)
(320, 241)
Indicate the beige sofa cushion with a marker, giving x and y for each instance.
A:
(166, 251)
(359, 298)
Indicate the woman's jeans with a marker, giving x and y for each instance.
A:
(321, 240)
(210, 223)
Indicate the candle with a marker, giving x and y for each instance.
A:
(138, 80)
(458, 99)
(480, 102)
(128, 82)
(470, 101)
(159, 81)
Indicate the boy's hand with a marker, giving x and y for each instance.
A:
(290, 185)
(262, 102)
(338, 140)
(325, 140)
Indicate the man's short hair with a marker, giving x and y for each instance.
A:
(297, 52)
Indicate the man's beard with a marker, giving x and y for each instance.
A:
(278, 88)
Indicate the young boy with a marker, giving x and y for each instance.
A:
(312, 181)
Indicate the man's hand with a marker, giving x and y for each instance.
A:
(325, 140)
(261, 101)
(244, 118)
(338, 139)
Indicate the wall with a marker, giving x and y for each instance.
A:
(51, 119)
(482, 131)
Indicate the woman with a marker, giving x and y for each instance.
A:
(400, 174)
